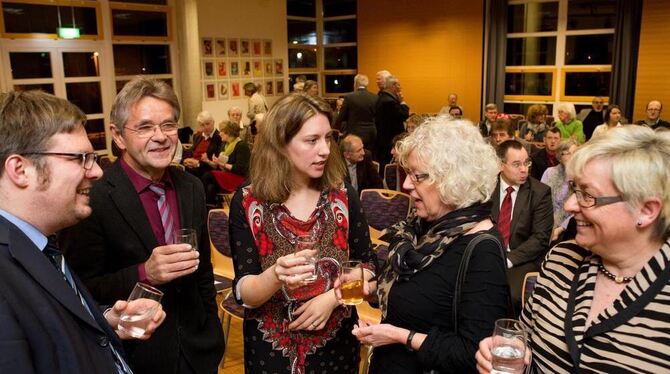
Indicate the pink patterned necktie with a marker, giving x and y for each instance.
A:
(164, 211)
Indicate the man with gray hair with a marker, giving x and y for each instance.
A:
(381, 80)
(361, 172)
(138, 207)
(357, 115)
(390, 115)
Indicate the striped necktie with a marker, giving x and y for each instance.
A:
(55, 256)
(164, 211)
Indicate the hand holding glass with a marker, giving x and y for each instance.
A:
(143, 303)
(303, 242)
(508, 347)
(351, 282)
(186, 236)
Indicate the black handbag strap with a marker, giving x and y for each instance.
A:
(463, 269)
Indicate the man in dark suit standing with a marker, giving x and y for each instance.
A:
(361, 172)
(390, 115)
(358, 112)
(522, 210)
(128, 238)
(49, 323)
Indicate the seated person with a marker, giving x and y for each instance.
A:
(555, 178)
(533, 129)
(205, 145)
(361, 172)
(653, 120)
(231, 168)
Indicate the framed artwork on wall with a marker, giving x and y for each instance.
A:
(208, 69)
(256, 47)
(220, 47)
(209, 91)
(222, 90)
(258, 68)
(279, 66)
(279, 87)
(234, 68)
(269, 88)
(221, 69)
(233, 47)
(267, 48)
(268, 67)
(206, 47)
(245, 47)
(246, 68)
(235, 89)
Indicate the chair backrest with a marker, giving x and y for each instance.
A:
(391, 177)
(217, 226)
(384, 208)
(376, 165)
(529, 282)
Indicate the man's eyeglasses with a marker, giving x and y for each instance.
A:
(586, 200)
(87, 158)
(149, 129)
(519, 164)
(416, 177)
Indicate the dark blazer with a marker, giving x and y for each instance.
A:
(106, 248)
(44, 328)
(532, 221)
(240, 158)
(390, 116)
(540, 163)
(366, 174)
(358, 116)
(214, 146)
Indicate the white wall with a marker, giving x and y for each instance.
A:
(251, 19)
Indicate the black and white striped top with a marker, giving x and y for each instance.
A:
(631, 335)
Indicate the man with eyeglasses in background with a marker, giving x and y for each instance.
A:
(653, 120)
(49, 323)
(137, 205)
(523, 211)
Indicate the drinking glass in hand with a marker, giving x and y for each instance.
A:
(351, 282)
(509, 347)
(303, 242)
(143, 303)
(186, 236)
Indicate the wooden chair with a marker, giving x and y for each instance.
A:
(391, 177)
(529, 282)
(384, 208)
(231, 309)
(222, 263)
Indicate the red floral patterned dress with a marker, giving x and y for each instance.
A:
(260, 234)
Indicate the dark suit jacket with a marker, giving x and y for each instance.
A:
(390, 116)
(358, 115)
(660, 123)
(483, 129)
(540, 163)
(532, 221)
(366, 174)
(106, 248)
(44, 328)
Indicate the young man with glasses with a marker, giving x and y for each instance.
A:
(137, 206)
(653, 120)
(523, 211)
(49, 323)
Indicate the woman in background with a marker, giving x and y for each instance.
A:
(612, 118)
(231, 166)
(568, 124)
(533, 129)
(297, 189)
(556, 178)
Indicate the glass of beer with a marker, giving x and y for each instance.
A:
(509, 347)
(351, 282)
(303, 242)
(143, 303)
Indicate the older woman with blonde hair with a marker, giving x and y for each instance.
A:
(293, 322)
(601, 301)
(568, 124)
(427, 323)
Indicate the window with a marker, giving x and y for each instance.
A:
(22, 19)
(322, 37)
(558, 50)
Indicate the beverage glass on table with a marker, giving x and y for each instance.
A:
(143, 303)
(351, 282)
(508, 347)
(303, 242)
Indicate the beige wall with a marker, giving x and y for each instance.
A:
(434, 47)
(260, 19)
(653, 75)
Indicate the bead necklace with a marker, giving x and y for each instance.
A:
(610, 275)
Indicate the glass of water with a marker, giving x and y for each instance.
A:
(186, 236)
(143, 303)
(303, 242)
(509, 347)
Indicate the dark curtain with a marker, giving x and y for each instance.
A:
(495, 43)
(624, 58)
